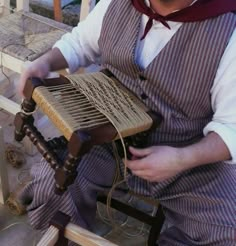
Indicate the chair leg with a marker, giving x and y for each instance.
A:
(156, 221)
(156, 227)
(4, 185)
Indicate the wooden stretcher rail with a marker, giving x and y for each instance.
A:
(11, 62)
(76, 234)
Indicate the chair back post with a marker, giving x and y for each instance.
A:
(57, 10)
(22, 5)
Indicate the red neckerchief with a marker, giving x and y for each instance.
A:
(199, 11)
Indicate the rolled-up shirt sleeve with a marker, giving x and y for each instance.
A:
(223, 94)
(80, 47)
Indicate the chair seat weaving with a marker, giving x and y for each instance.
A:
(26, 36)
(89, 110)
(91, 100)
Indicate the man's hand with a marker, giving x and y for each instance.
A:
(40, 68)
(156, 163)
(51, 61)
(159, 163)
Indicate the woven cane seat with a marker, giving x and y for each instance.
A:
(26, 36)
(91, 100)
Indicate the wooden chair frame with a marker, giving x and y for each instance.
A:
(155, 221)
(16, 66)
(75, 234)
(60, 230)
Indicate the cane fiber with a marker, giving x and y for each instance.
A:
(91, 100)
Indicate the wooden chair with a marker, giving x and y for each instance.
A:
(19, 46)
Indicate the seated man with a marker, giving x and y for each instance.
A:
(179, 58)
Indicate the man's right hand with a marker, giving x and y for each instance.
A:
(53, 60)
(39, 68)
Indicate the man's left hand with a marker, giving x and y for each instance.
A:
(156, 163)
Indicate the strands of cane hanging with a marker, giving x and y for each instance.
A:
(126, 113)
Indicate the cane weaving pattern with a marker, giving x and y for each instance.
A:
(91, 100)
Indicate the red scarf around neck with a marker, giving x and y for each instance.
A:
(199, 11)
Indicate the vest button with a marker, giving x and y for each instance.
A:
(144, 96)
(142, 78)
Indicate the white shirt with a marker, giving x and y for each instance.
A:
(80, 48)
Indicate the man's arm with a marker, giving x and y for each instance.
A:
(223, 98)
(55, 60)
(159, 163)
(73, 50)
(209, 150)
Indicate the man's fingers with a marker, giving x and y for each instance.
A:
(140, 152)
(142, 173)
(138, 164)
(21, 85)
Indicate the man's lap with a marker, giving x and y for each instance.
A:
(199, 204)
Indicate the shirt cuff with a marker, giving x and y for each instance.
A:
(69, 55)
(228, 134)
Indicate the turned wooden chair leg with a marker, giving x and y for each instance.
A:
(156, 227)
(4, 185)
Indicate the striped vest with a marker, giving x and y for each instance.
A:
(178, 81)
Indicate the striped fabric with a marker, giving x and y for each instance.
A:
(95, 175)
(179, 79)
(200, 204)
